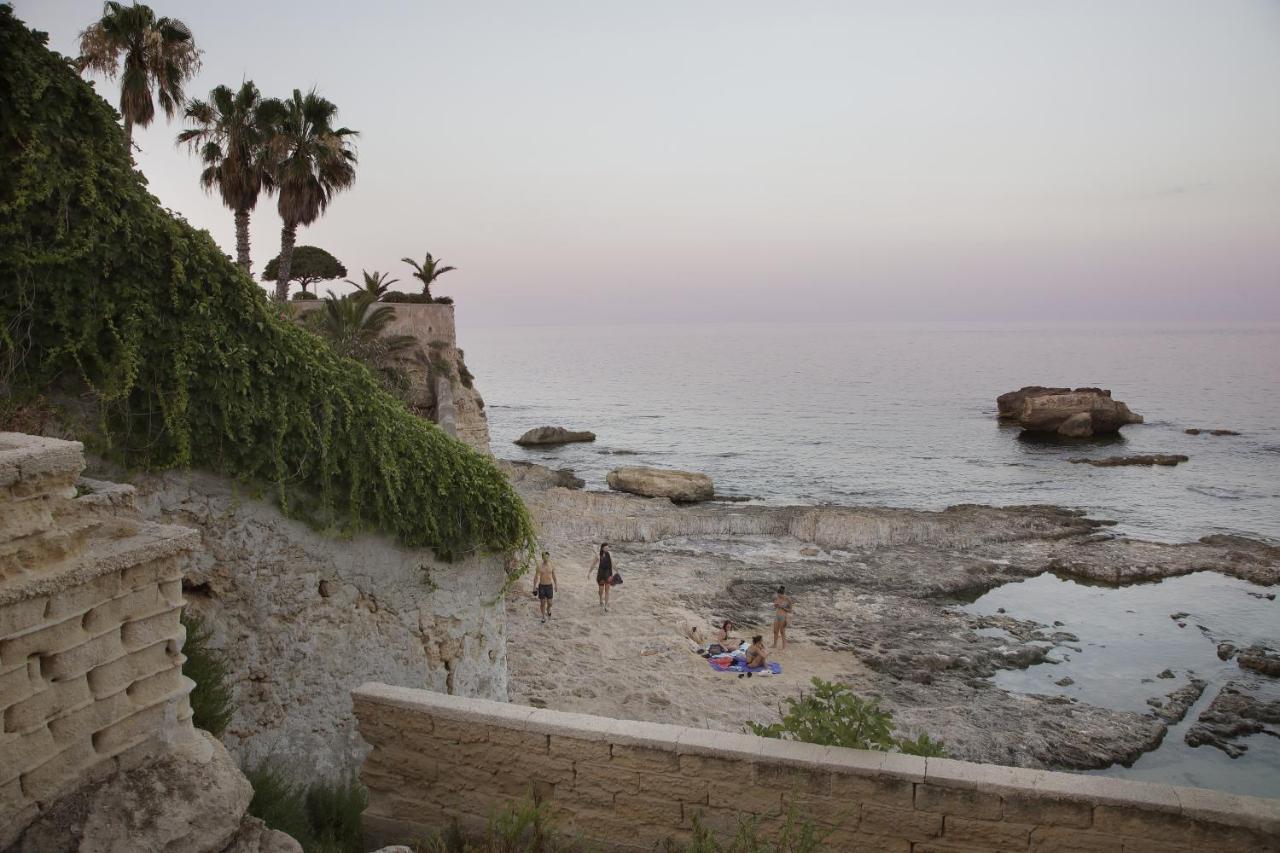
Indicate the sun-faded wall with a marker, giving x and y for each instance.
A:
(630, 786)
(90, 643)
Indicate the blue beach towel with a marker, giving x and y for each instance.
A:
(739, 666)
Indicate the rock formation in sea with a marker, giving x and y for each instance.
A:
(1082, 413)
(550, 436)
(679, 486)
(1165, 459)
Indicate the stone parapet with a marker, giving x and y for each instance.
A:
(90, 640)
(629, 785)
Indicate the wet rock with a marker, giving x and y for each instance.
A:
(1168, 673)
(679, 486)
(528, 475)
(1082, 413)
(1009, 404)
(1259, 659)
(1065, 682)
(810, 551)
(1166, 459)
(1236, 712)
(1179, 616)
(1225, 651)
(549, 436)
(1197, 431)
(1176, 704)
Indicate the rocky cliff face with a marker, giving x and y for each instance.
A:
(303, 617)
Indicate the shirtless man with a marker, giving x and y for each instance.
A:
(544, 584)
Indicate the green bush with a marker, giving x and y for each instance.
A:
(211, 704)
(832, 715)
(402, 298)
(323, 817)
(186, 362)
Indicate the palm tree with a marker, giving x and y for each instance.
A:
(354, 325)
(231, 132)
(312, 161)
(375, 284)
(159, 52)
(427, 272)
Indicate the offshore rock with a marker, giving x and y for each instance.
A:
(1175, 706)
(1083, 413)
(1168, 459)
(1009, 404)
(679, 486)
(529, 475)
(548, 436)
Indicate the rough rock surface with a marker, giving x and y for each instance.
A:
(1196, 431)
(1169, 459)
(1259, 659)
(191, 800)
(876, 609)
(1237, 711)
(527, 475)
(1080, 414)
(1009, 404)
(1174, 707)
(679, 486)
(545, 436)
(302, 618)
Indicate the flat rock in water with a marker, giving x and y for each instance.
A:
(679, 486)
(1259, 659)
(1196, 431)
(544, 436)
(1140, 459)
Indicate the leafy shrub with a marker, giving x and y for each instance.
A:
(187, 362)
(324, 817)
(797, 835)
(303, 296)
(833, 715)
(400, 297)
(211, 704)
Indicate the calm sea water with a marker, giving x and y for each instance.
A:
(902, 415)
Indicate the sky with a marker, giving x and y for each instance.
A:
(734, 160)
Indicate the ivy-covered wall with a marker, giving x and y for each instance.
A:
(185, 361)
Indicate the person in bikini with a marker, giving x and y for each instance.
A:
(756, 655)
(602, 565)
(544, 584)
(782, 605)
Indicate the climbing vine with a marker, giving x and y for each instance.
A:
(185, 361)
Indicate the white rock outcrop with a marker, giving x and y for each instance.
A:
(679, 486)
(303, 617)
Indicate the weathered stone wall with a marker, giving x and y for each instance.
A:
(302, 617)
(629, 785)
(90, 643)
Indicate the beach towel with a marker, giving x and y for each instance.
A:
(725, 664)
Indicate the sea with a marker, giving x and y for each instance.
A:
(904, 415)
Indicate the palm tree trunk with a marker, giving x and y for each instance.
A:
(242, 241)
(128, 137)
(288, 234)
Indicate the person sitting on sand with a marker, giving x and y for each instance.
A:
(544, 584)
(756, 654)
(782, 605)
(602, 565)
(722, 636)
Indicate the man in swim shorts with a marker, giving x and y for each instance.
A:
(544, 584)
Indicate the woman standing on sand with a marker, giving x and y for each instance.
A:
(602, 565)
(782, 605)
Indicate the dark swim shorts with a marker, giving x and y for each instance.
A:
(546, 590)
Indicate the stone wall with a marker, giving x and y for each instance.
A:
(629, 786)
(90, 642)
(302, 617)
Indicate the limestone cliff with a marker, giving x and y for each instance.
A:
(303, 617)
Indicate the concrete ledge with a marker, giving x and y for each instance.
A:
(618, 782)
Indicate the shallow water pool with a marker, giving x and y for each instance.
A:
(1127, 638)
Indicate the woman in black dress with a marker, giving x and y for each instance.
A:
(602, 565)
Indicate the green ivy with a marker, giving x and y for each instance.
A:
(184, 359)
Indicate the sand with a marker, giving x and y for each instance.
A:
(633, 662)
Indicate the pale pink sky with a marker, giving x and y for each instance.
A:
(737, 160)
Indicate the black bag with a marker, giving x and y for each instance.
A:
(615, 579)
